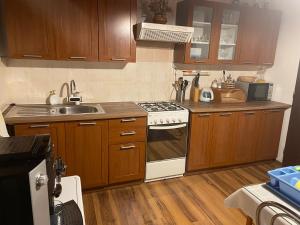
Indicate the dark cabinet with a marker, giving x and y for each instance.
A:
(76, 33)
(199, 141)
(87, 152)
(28, 29)
(116, 38)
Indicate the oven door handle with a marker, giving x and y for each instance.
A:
(167, 127)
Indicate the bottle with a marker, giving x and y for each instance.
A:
(53, 99)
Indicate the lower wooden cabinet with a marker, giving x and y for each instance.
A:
(221, 146)
(222, 139)
(246, 136)
(55, 130)
(269, 134)
(87, 152)
(126, 162)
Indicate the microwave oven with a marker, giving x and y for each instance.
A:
(256, 91)
(27, 180)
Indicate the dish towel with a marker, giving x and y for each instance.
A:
(3, 130)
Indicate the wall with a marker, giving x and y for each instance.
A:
(284, 72)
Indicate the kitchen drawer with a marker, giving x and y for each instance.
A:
(122, 135)
(126, 162)
(125, 123)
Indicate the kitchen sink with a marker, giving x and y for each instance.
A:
(70, 110)
(58, 110)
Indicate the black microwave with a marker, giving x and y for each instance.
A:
(256, 91)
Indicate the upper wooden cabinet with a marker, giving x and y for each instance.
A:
(227, 34)
(116, 38)
(88, 30)
(76, 34)
(28, 29)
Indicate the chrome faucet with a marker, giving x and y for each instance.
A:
(74, 95)
(73, 87)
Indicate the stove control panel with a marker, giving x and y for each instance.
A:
(164, 118)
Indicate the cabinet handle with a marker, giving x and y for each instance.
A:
(248, 62)
(128, 133)
(118, 59)
(249, 113)
(39, 126)
(204, 115)
(126, 147)
(274, 110)
(128, 120)
(268, 64)
(33, 56)
(226, 114)
(88, 124)
(78, 58)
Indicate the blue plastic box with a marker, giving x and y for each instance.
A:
(285, 179)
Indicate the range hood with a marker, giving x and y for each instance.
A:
(164, 33)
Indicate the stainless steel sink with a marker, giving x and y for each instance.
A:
(69, 110)
(58, 110)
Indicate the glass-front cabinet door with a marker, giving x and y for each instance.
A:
(201, 40)
(228, 35)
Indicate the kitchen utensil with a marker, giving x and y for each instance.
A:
(214, 84)
(207, 95)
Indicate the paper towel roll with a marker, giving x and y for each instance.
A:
(3, 130)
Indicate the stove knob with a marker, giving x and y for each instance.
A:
(155, 122)
(161, 121)
(173, 120)
(167, 120)
(179, 120)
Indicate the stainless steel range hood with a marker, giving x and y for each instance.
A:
(164, 33)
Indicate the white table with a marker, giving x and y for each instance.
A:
(249, 198)
(71, 190)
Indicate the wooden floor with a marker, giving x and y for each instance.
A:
(190, 200)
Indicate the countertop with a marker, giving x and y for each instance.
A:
(113, 110)
(199, 107)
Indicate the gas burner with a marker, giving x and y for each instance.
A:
(160, 106)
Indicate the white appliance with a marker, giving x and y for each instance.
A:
(166, 141)
(207, 95)
(164, 33)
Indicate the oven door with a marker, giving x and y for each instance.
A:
(167, 142)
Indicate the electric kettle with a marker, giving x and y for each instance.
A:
(207, 95)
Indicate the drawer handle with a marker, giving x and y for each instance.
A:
(118, 59)
(128, 120)
(33, 56)
(39, 126)
(128, 133)
(226, 114)
(88, 124)
(127, 147)
(78, 58)
(204, 115)
(249, 113)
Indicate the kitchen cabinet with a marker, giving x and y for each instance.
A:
(221, 146)
(270, 26)
(87, 152)
(126, 162)
(55, 130)
(269, 134)
(116, 38)
(227, 34)
(230, 138)
(28, 29)
(246, 136)
(76, 35)
(199, 141)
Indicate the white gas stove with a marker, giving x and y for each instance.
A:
(167, 140)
